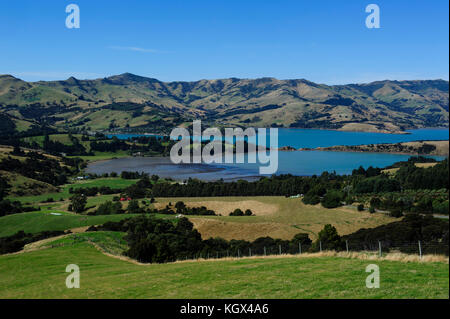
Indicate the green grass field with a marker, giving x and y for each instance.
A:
(64, 139)
(113, 182)
(110, 241)
(100, 156)
(35, 222)
(276, 216)
(41, 274)
(40, 221)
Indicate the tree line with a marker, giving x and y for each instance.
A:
(41, 168)
(154, 240)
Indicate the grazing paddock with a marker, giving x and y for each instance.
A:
(224, 207)
(41, 274)
(113, 182)
(35, 222)
(287, 217)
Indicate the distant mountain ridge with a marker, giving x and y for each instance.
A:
(135, 103)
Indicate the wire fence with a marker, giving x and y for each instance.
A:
(379, 248)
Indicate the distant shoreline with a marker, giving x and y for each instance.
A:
(395, 132)
(441, 148)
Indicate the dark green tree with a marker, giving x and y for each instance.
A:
(329, 238)
(78, 202)
(133, 207)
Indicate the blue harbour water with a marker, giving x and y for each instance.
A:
(303, 163)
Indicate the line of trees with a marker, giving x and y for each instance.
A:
(16, 242)
(361, 181)
(41, 168)
(154, 240)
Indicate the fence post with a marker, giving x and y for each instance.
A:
(217, 255)
(420, 250)
(379, 248)
(265, 251)
(250, 252)
(346, 245)
(239, 253)
(300, 248)
(279, 246)
(320, 245)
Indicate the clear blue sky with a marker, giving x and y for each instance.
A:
(322, 41)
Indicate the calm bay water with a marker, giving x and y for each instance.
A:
(311, 138)
(300, 138)
(292, 162)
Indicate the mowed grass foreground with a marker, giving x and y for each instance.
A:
(41, 274)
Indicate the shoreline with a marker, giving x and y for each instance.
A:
(303, 128)
(336, 148)
(372, 148)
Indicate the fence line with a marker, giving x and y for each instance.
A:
(380, 248)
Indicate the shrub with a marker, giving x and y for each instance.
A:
(440, 207)
(329, 238)
(237, 212)
(360, 207)
(396, 212)
(248, 212)
(180, 207)
(109, 208)
(375, 202)
(133, 207)
(332, 199)
(78, 202)
(349, 200)
(311, 199)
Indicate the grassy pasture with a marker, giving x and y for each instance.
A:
(113, 182)
(64, 139)
(289, 217)
(100, 156)
(276, 216)
(392, 171)
(41, 274)
(34, 222)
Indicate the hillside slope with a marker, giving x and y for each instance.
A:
(314, 277)
(136, 103)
